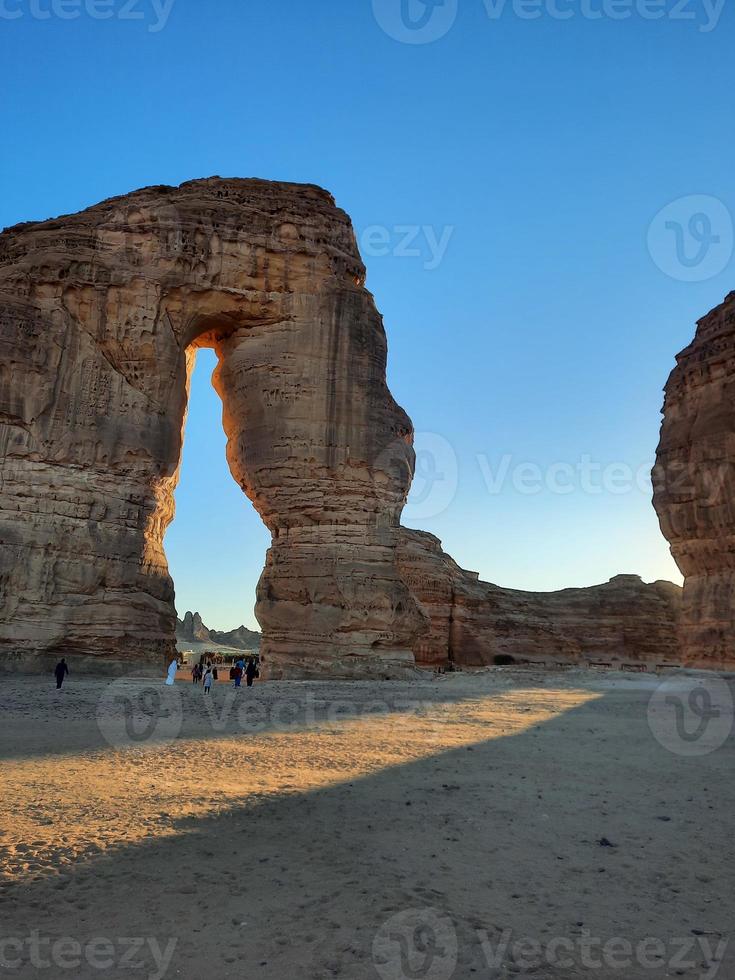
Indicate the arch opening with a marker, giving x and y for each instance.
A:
(216, 542)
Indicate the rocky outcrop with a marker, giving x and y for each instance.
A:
(474, 623)
(241, 638)
(694, 486)
(100, 316)
(192, 630)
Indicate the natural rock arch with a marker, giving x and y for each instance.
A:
(101, 313)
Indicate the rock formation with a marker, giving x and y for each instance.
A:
(101, 314)
(694, 486)
(192, 630)
(623, 622)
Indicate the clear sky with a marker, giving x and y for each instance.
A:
(526, 159)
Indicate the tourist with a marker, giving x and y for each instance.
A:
(61, 670)
(237, 671)
(251, 671)
(172, 668)
(208, 680)
(196, 675)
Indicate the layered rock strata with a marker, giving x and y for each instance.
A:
(624, 622)
(694, 486)
(101, 314)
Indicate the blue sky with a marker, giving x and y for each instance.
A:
(525, 161)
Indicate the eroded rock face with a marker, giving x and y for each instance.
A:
(100, 316)
(694, 486)
(622, 622)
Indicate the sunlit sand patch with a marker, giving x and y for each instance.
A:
(59, 811)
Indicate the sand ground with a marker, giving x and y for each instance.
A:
(498, 825)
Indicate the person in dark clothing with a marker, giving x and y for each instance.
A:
(61, 670)
(251, 671)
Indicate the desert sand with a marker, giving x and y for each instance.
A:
(504, 824)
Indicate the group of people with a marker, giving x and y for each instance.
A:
(248, 669)
(207, 674)
(204, 675)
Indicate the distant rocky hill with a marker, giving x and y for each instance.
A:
(191, 629)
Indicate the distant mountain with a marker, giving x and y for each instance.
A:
(191, 629)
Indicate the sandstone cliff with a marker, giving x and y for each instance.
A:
(694, 486)
(624, 621)
(101, 314)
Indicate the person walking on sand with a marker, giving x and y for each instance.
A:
(61, 670)
(251, 671)
(195, 675)
(238, 675)
(208, 681)
(172, 668)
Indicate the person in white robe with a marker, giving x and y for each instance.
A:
(172, 668)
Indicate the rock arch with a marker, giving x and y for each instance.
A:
(101, 312)
(100, 315)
